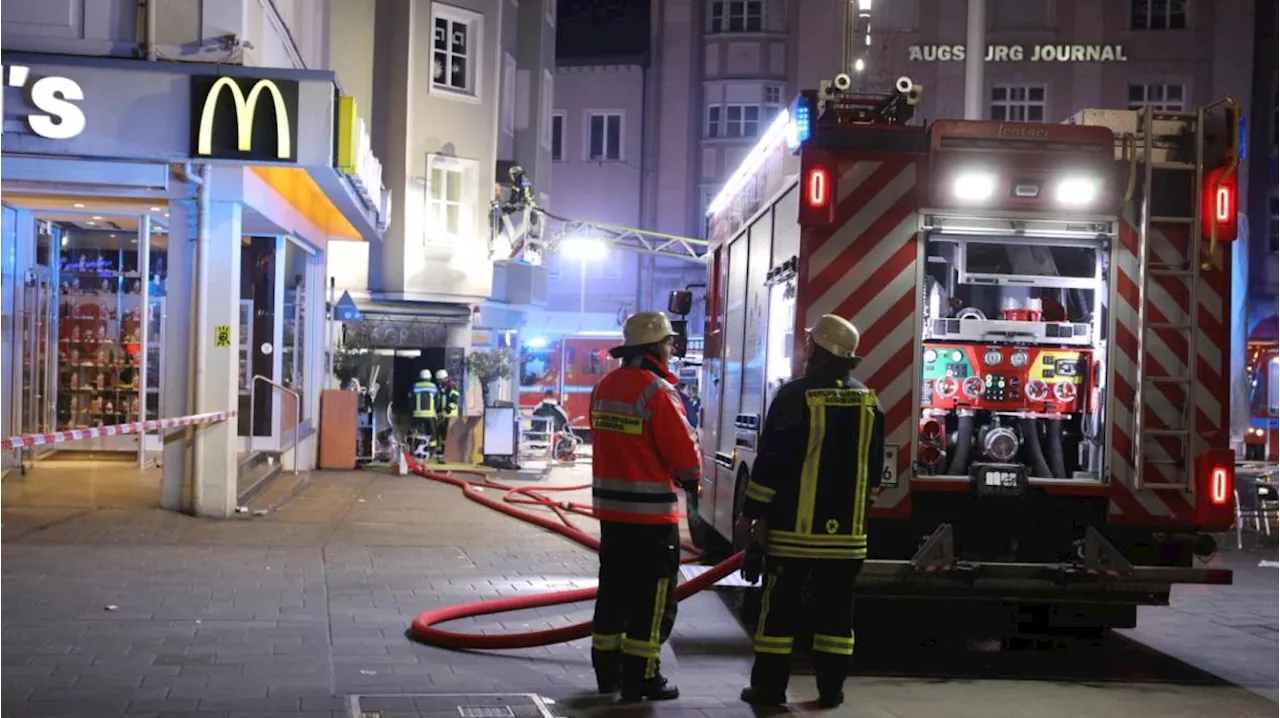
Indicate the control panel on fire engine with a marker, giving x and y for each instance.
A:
(1004, 378)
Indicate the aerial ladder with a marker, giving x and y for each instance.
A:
(518, 219)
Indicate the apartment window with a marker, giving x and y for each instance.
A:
(604, 136)
(1158, 14)
(737, 16)
(772, 95)
(741, 120)
(508, 93)
(454, 51)
(1160, 97)
(450, 188)
(557, 137)
(1018, 103)
(544, 114)
(715, 119)
(1273, 225)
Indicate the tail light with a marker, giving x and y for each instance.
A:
(1215, 490)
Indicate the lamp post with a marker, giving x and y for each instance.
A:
(586, 249)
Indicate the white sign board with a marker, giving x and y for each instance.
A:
(1021, 53)
(57, 116)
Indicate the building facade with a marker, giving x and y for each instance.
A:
(174, 177)
(721, 69)
(457, 93)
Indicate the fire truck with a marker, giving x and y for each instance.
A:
(569, 366)
(1262, 437)
(1042, 316)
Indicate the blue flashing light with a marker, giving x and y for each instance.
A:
(801, 127)
(536, 343)
(1243, 153)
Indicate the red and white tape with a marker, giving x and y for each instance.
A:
(133, 427)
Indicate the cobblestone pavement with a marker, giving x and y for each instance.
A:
(112, 612)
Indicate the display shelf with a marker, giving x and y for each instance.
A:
(99, 341)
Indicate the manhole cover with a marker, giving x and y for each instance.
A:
(485, 712)
(450, 705)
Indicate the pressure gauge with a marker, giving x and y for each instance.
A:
(992, 357)
(1020, 358)
(930, 356)
(957, 356)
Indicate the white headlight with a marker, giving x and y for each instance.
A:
(975, 186)
(1077, 191)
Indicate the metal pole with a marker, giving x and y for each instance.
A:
(144, 327)
(975, 54)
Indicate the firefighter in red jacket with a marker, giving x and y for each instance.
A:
(816, 473)
(643, 450)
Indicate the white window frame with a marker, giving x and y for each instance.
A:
(743, 109)
(434, 218)
(475, 35)
(545, 103)
(562, 117)
(508, 109)
(1018, 110)
(549, 9)
(604, 141)
(1169, 14)
(768, 90)
(1156, 95)
(714, 128)
(731, 9)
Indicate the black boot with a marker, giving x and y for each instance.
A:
(608, 667)
(830, 671)
(770, 674)
(635, 687)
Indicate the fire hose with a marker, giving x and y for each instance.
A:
(424, 626)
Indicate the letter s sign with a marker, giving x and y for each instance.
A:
(57, 117)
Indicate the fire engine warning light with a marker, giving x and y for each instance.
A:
(974, 186)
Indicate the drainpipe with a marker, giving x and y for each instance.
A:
(149, 29)
(975, 59)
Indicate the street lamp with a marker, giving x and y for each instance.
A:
(584, 248)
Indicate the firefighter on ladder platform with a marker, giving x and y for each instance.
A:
(643, 449)
(806, 505)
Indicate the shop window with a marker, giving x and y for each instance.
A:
(604, 136)
(508, 93)
(454, 51)
(450, 191)
(1158, 14)
(1018, 103)
(1157, 96)
(737, 16)
(557, 137)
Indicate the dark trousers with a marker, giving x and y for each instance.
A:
(636, 603)
(830, 583)
(442, 432)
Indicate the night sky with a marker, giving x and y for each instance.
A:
(602, 28)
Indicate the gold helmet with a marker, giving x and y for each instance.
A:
(837, 335)
(644, 328)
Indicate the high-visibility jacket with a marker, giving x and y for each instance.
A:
(449, 399)
(425, 395)
(640, 440)
(818, 465)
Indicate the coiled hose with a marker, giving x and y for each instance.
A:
(424, 626)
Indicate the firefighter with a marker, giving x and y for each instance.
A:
(426, 397)
(807, 503)
(447, 400)
(643, 450)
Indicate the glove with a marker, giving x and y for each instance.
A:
(752, 564)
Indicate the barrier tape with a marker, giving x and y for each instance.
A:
(58, 437)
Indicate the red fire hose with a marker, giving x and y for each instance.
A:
(424, 626)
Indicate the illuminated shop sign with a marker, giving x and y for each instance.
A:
(1021, 53)
(244, 119)
(355, 157)
(56, 115)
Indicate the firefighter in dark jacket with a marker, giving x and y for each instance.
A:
(812, 484)
(644, 449)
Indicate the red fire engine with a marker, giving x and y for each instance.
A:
(1042, 315)
(569, 366)
(1262, 438)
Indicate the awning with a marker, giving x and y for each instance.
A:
(405, 325)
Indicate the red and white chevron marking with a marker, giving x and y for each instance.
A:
(60, 437)
(1168, 302)
(863, 267)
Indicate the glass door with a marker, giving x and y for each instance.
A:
(39, 336)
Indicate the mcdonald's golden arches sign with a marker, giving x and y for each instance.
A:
(249, 119)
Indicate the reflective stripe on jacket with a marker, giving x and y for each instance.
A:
(821, 452)
(449, 399)
(640, 440)
(424, 400)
